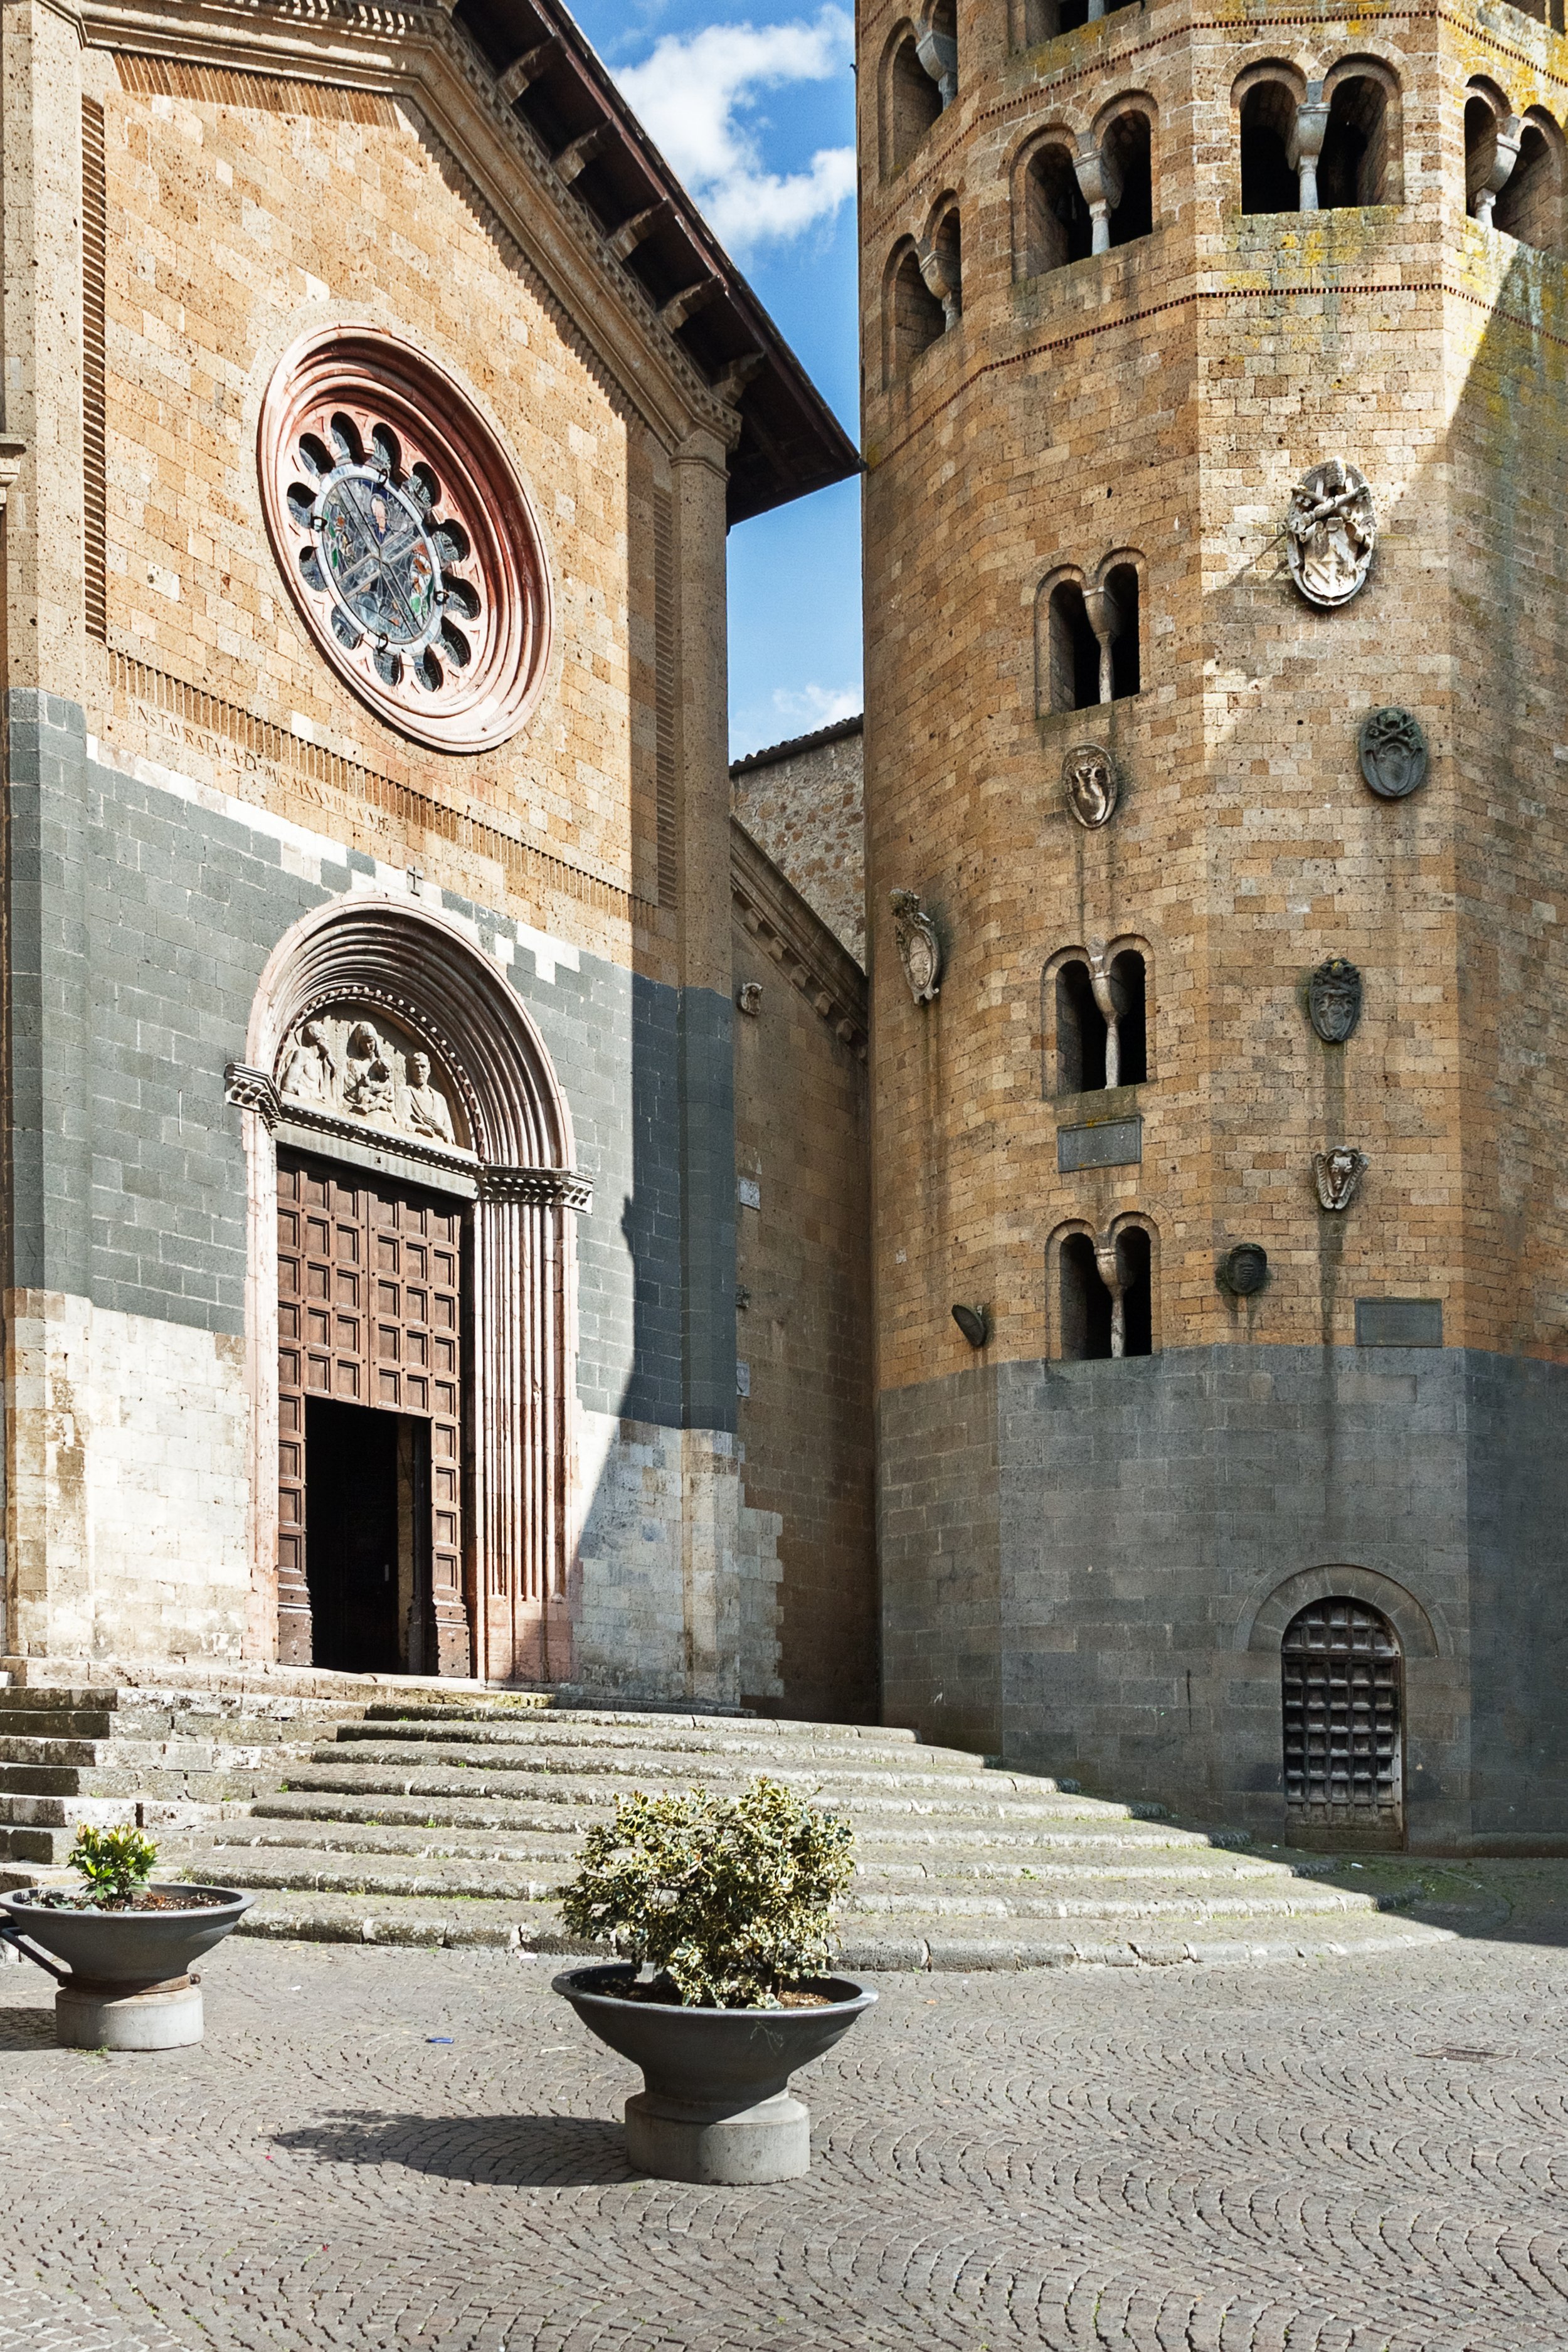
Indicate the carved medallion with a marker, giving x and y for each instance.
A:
(1393, 751)
(1089, 784)
(919, 949)
(1244, 1270)
(1331, 530)
(974, 1322)
(353, 1068)
(1333, 1000)
(1338, 1172)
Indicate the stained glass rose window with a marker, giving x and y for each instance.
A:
(406, 538)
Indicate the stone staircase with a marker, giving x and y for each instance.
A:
(418, 1820)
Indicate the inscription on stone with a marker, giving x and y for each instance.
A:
(1399, 1322)
(1104, 1143)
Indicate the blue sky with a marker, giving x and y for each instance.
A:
(754, 107)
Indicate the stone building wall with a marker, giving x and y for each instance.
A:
(1081, 1565)
(803, 1329)
(802, 801)
(189, 780)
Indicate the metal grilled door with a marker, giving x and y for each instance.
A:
(1342, 1689)
(368, 1312)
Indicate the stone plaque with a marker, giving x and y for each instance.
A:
(1391, 748)
(919, 948)
(1103, 1143)
(1399, 1322)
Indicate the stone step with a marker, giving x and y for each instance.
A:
(916, 1942)
(1126, 1894)
(1088, 1825)
(268, 1825)
(978, 1796)
(560, 1736)
(639, 1759)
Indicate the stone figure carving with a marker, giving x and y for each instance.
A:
(308, 1073)
(429, 1111)
(1333, 1000)
(340, 1064)
(919, 949)
(1089, 784)
(1338, 1172)
(1244, 1270)
(1331, 532)
(368, 1083)
(1391, 748)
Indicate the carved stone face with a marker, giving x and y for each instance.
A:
(1333, 1000)
(1392, 752)
(1089, 782)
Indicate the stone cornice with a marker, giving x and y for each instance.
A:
(418, 54)
(798, 940)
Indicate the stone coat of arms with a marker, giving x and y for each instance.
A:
(919, 949)
(1331, 532)
(1337, 1172)
(1333, 1000)
(1089, 784)
(1391, 748)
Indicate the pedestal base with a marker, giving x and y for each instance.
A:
(771, 2141)
(94, 2017)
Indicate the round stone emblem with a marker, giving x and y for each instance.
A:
(1391, 748)
(406, 539)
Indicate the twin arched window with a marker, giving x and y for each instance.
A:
(1514, 176)
(1084, 195)
(1095, 1013)
(1317, 146)
(918, 78)
(1104, 1289)
(1088, 636)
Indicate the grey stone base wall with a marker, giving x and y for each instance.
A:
(1087, 1568)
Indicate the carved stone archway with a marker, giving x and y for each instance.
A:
(513, 1163)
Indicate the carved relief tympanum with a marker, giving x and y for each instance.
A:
(354, 1066)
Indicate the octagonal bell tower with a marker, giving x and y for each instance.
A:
(1215, 417)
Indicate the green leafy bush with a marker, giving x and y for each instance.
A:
(729, 1897)
(116, 1863)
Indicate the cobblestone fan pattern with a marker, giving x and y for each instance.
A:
(436, 1823)
(401, 2150)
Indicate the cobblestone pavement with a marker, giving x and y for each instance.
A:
(1363, 2158)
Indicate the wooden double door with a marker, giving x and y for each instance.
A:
(370, 1325)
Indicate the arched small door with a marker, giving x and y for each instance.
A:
(1342, 1686)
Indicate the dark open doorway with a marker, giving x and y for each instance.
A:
(367, 1489)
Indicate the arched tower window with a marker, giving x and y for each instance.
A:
(1056, 227)
(1268, 180)
(913, 317)
(1342, 1691)
(942, 267)
(1355, 164)
(1112, 609)
(1105, 1293)
(1529, 205)
(1042, 20)
(912, 103)
(1098, 1013)
(1128, 149)
(1072, 650)
(1492, 141)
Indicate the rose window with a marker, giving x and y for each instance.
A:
(407, 539)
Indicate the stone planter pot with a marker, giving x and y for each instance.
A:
(129, 1986)
(715, 2105)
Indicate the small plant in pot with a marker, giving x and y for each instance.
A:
(727, 1902)
(126, 1943)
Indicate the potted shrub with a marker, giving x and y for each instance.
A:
(126, 1942)
(726, 1900)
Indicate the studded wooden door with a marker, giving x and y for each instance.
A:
(369, 1313)
(1343, 1690)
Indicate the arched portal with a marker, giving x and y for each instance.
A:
(412, 1193)
(1342, 1693)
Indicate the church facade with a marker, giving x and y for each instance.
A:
(375, 408)
(1216, 404)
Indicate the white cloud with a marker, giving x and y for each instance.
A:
(691, 95)
(817, 706)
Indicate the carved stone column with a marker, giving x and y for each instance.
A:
(522, 1442)
(1100, 183)
(1306, 143)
